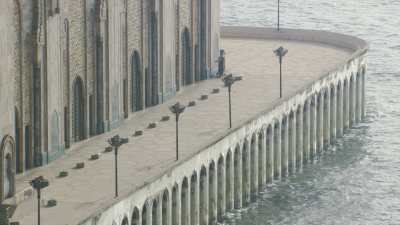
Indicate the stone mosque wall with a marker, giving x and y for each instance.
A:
(74, 69)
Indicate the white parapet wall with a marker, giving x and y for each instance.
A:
(228, 173)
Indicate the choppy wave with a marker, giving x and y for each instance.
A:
(357, 182)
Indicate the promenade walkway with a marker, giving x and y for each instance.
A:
(146, 157)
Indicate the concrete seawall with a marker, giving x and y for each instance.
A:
(229, 172)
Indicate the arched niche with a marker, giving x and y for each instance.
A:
(7, 149)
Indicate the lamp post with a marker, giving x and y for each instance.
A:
(116, 142)
(38, 184)
(279, 1)
(280, 53)
(229, 80)
(177, 109)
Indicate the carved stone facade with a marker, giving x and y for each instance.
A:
(74, 69)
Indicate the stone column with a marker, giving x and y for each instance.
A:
(346, 105)
(359, 98)
(222, 193)
(327, 118)
(238, 179)
(352, 101)
(213, 196)
(270, 153)
(169, 209)
(229, 181)
(229, 184)
(339, 111)
(277, 151)
(363, 94)
(262, 158)
(176, 214)
(306, 132)
(285, 146)
(292, 143)
(159, 209)
(333, 114)
(299, 138)
(313, 126)
(320, 123)
(140, 218)
(204, 198)
(149, 213)
(246, 176)
(194, 213)
(254, 166)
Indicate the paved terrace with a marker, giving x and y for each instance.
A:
(147, 157)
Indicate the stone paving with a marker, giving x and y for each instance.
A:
(146, 157)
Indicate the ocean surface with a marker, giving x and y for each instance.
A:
(357, 181)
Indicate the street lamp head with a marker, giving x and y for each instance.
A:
(39, 183)
(229, 80)
(177, 108)
(281, 52)
(117, 141)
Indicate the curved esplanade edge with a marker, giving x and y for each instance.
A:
(351, 72)
(357, 45)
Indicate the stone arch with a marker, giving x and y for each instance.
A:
(78, 109)
(165, 207)
(137, 82)
(193, 198)
(154, 213)
(135, 217)
(125, 221)
(237, 177)
(7, 149)
(184, 202)
(253, 165)
(269, 153)
(203, 196)
(175, 209)
(245, 173)
(277, 150)
(228, 180)
(186, 58)
(221, 188)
